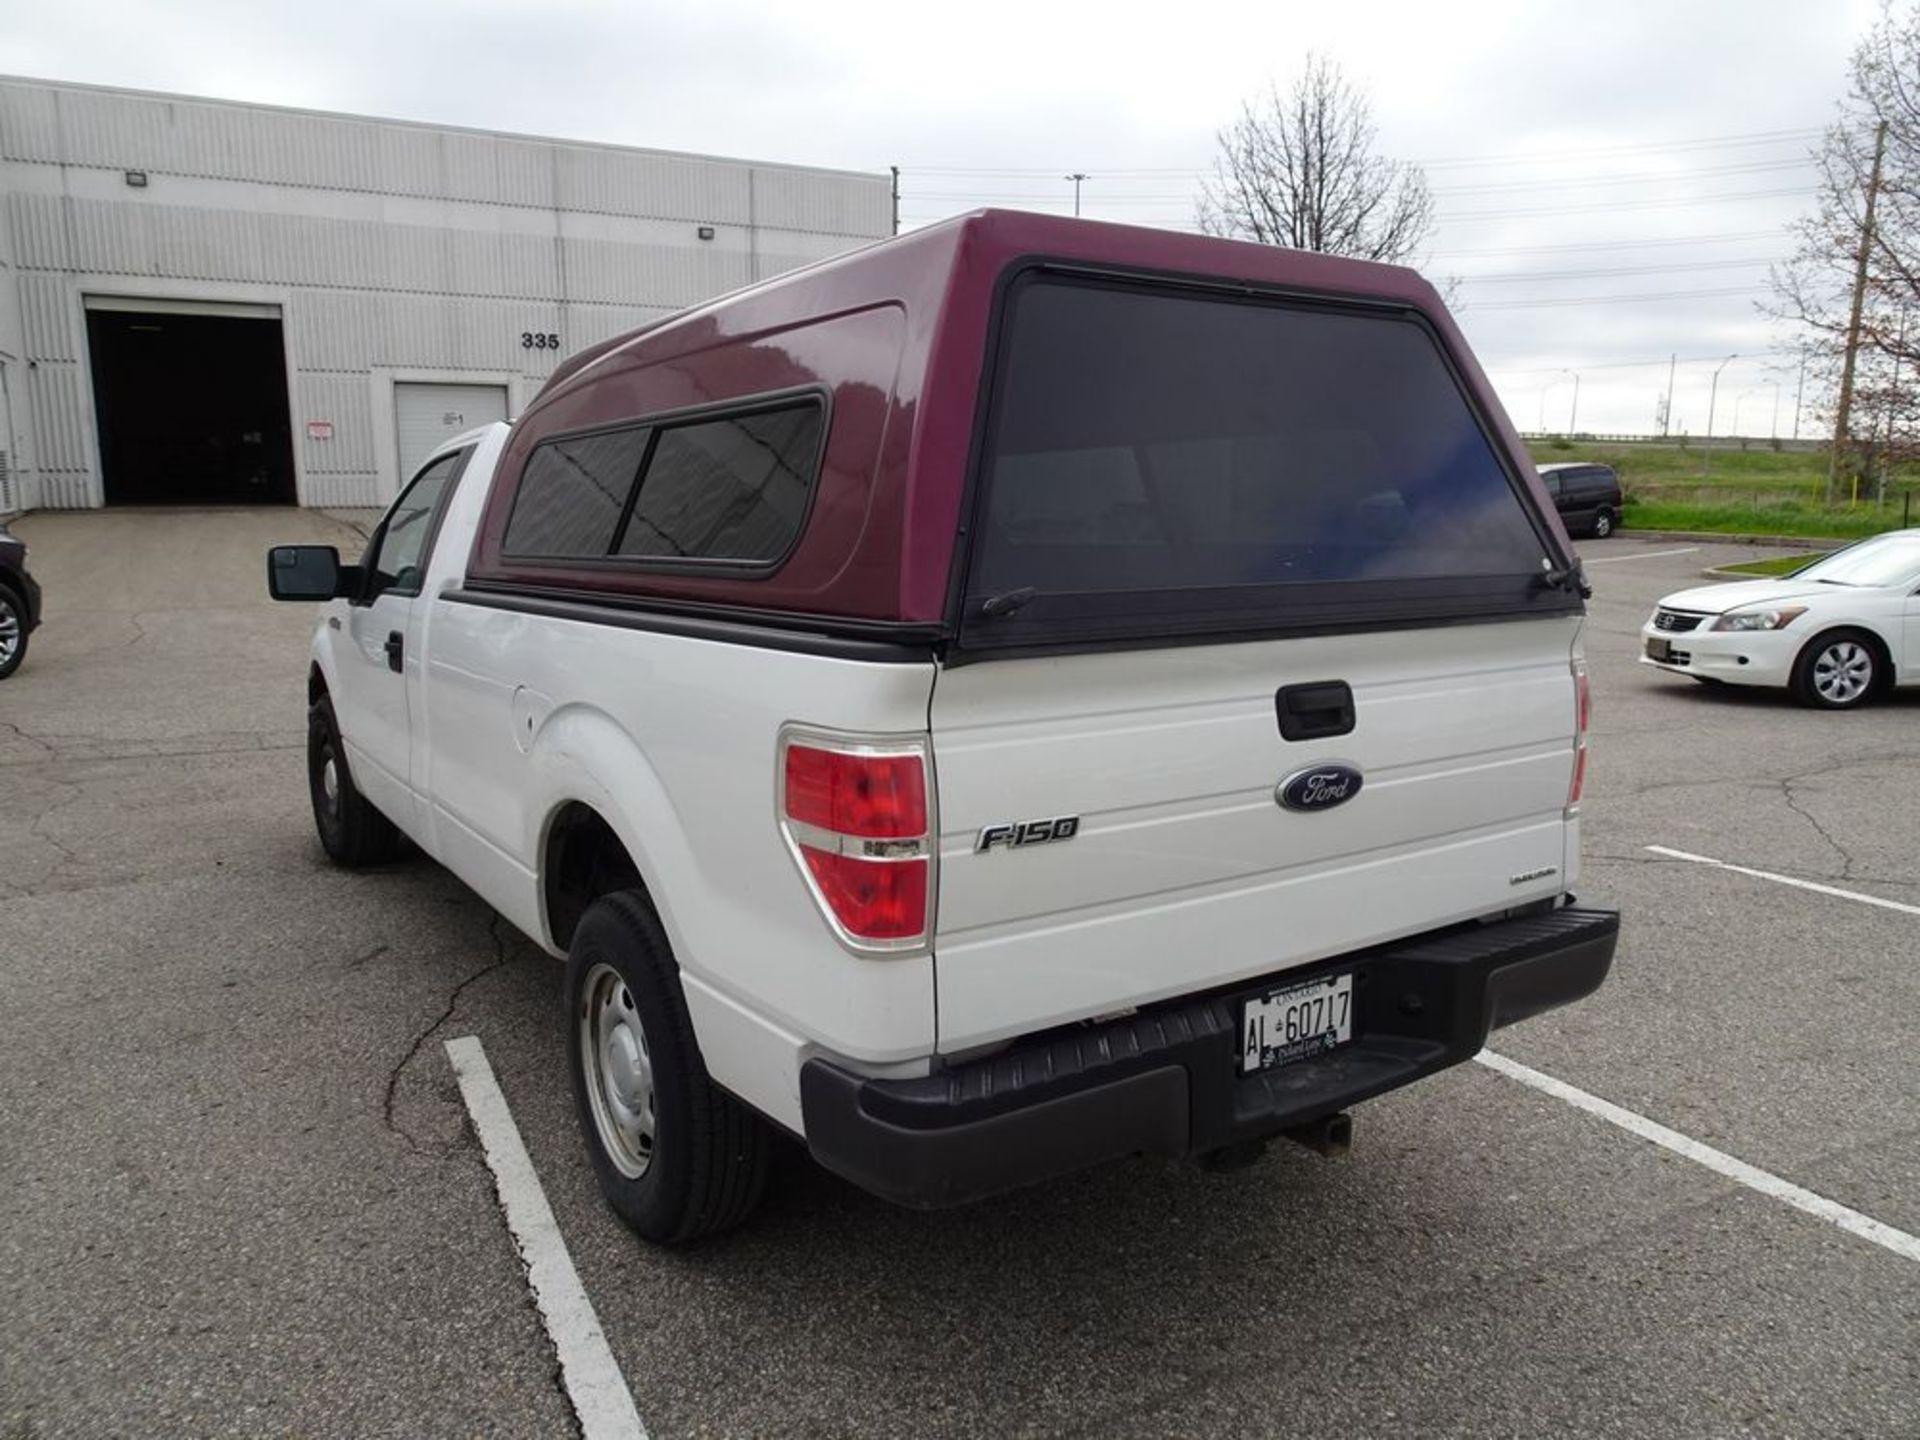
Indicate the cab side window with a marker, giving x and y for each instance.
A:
(398, 563)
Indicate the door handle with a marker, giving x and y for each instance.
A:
(1315, 711)
(395, 647)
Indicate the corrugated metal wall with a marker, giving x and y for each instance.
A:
(389, 247)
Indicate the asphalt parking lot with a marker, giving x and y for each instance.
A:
(242, 1196)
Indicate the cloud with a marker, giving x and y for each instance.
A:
(995, 102)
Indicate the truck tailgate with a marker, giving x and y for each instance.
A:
(1184, 872)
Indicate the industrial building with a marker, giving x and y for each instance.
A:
(204, 302)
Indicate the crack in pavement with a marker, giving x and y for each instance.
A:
(499, 960)
(374, 954)
(114, 751)
(139, 630)
(1793, 804)
(31, 739)
(77, 792)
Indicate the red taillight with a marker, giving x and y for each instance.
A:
(872, 899)
(878, 796)
(856, 814)
(1582, 717)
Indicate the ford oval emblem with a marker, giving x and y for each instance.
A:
(1320, 788)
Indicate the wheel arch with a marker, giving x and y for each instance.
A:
(582, 857)
(577, 752)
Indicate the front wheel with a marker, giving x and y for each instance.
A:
(676, 1156)
(1603, 525)
(13, 632)
(1837, 671)
(352, 832)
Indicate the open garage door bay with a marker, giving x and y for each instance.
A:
(191, 401)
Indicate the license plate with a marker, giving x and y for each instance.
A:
(1659, 649)
(1283, 1026)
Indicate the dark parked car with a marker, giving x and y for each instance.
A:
(1587, 496)
(19, 602)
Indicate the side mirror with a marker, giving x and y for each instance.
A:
(307, 572)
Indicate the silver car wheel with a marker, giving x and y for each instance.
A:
(9, 629)
(618, 1071)
(1843, 672)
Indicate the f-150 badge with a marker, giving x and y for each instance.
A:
(1018, 833)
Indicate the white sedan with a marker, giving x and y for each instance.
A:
(1836, 632)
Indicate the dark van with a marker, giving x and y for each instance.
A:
(1587, 496)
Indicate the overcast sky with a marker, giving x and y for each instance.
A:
(1672, 132)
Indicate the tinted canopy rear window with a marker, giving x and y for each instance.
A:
(1162, 461)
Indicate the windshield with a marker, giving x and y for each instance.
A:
(1883, 560)
(1160, 449)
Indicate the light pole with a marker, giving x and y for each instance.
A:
(1076, 177)
(1573, 415)
(1773, 433)
(1713, 392)
(1738, 400)
(1548, 390)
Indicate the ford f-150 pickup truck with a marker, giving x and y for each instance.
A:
(1022, 694)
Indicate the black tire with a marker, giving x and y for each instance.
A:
(704, 1168)
(13, 625)
(352, 832)
(1839, 670)
(1603, 523)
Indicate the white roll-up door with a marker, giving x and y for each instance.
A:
(425, 415)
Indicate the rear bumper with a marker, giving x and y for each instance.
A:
(1166, 1081)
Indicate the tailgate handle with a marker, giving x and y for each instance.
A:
(1316, 710)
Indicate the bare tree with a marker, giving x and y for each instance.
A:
(1864, 229)
(1300, 170)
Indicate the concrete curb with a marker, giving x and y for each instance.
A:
(1721, 572)
(1709, 537)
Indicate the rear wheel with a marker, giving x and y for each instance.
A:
(13, 632)
(676, 1156)
(352, 832)
(1839, 670)
(1603, 524)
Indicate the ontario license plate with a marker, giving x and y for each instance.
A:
(1291, 1024)
(1659, 649)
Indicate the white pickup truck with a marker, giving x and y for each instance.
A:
(1023, 694)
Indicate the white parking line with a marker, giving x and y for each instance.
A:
(1852, 1221)
(1643, 555)
(1798, 884)
(594, 1384)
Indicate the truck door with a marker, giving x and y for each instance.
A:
(374, 712)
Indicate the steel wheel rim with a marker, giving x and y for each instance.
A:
(618, 1070)
(9, 631)
(1843, 671)
(330, 783)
